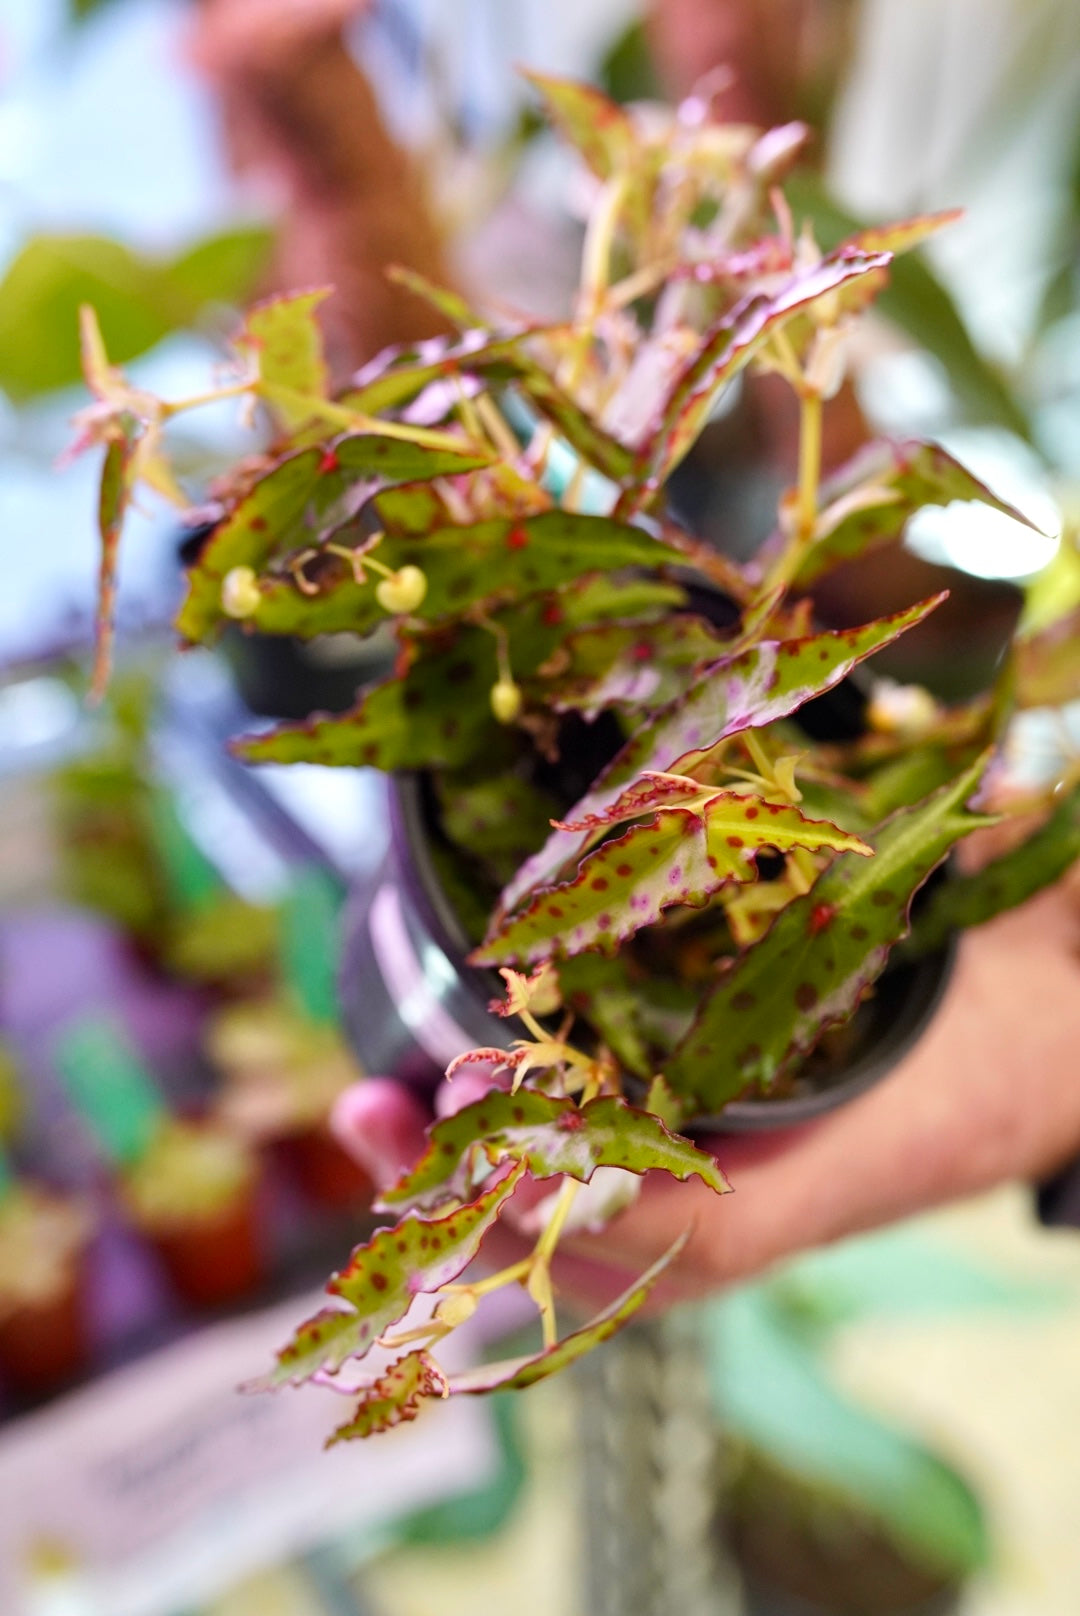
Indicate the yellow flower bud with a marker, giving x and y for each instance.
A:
(402, 591)
(505, 700)
(457, 1308)
(240, 593)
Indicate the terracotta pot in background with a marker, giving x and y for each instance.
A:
(44, 1344)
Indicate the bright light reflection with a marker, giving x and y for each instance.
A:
(985, 542)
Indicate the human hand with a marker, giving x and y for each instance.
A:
(991, 1093)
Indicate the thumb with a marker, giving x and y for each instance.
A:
(381, 1125)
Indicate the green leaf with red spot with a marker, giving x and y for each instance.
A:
(398, 375)
(628, 664)
(411, 509)
(697, 842)
(597, 127)
(296, 502)
(813, 967)
(1003, 884)
(552, 1136)
(282, 339)
(393, 1398)
(381, 1280)
(769, 681)
(518, 1373)
(484, 564)
(1048, 664)
(871, 500)
(436, 712)
(724, 351)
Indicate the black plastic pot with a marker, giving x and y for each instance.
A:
(411, 1003)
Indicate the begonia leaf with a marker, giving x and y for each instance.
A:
(281, 338)
(113, 500)
(393, 1398)
(870, 501)
(823, 951)
(628, 664)
(518, 1373)
(684, 854)
(381, 1279)
(484, 564)
(724, 351)
(1003, 884)
(597, 127)
(553, 1136)
(755, 687)
(296, 502)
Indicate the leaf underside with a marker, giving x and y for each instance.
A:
(394, 1398)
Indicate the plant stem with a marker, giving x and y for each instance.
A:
(806, 499)
(762, 760)
(539, 1285)
(494, 1282)
(809, 468)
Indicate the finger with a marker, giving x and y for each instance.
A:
(382, 1126)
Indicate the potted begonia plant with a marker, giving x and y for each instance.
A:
(611, 778)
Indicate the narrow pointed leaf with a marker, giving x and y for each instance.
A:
(596, 447)
(518, 1373)
(1004, 883)
(904, 234)
(282, 338)
(380, 1281)
(870, 501)
(682, 855)
(449, 304)
(394, 1398)
(296, 502)
(597, 127)
(724, 352)
(813, 966)
(920, 304)
(553, 1136)
(112, 504)
(771, 680)
(484, 564)
(398, 375)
